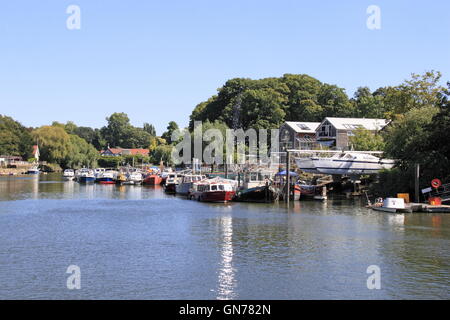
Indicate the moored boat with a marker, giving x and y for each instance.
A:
(85, 175)
(107, 177)
(152, 179)
(213, 190)
(134, 178)
(69, 174)
(33, 170)
(172, 181)
(257, 194)
(391, 205)
(186, 183)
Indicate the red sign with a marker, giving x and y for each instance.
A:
(436, 183)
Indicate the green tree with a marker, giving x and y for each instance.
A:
(366, 140)
(54, 143)
(117, 130)
(15, 139)
(80, 154)
(172, 127)
(162, 153)
(149, 128)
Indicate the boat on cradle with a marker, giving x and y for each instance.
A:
(69, 174)
(186, 183)
(391, 205)
(213, 190)
(107, 177)
(85, 175)
(172, 181)
(345, 163)
(33, 170)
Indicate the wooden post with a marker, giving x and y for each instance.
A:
(226, 167)
(417, 182)
(288, 182)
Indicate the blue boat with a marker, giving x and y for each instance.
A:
(85, 176)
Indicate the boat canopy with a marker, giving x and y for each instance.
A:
(283, 173)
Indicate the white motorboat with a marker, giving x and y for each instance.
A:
(391, 205)
(85, 175)
(134, 178)
(346, 163)
(68, 174)
(33, 170)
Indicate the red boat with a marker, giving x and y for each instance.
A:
(152, 179)
(213, 190)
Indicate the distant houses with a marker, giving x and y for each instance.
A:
(122, 152)
(332, 132)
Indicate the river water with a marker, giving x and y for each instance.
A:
(134, 242)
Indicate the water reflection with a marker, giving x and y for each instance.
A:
(226, 279)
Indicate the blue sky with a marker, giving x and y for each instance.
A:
(156, 60)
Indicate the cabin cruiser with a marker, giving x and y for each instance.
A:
(98, 172)
(85, 175)
(107, 177)
(69, 174)
(134, 178)
(187, 181)
(171, 183)
(346, 163)
(213, 190)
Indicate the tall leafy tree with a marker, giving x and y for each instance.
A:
(173, 126)
(15, 139)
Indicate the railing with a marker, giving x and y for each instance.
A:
(327, 134)
(442, 192)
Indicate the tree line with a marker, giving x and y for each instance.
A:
(72, 146)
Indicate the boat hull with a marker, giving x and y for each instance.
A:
(343, 166)
(153, 180)
(258, 194)
(86, 179)
(170, 188)
(214, 196)
(106, 181)
(183, 188)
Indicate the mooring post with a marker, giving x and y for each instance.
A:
(288, 182)
(416, 182)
